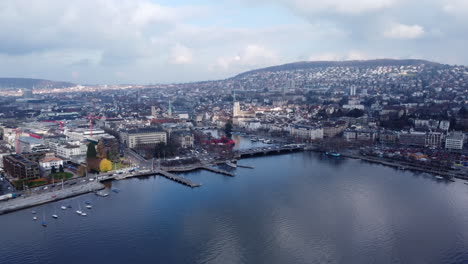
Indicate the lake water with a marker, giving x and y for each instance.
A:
(294, 208)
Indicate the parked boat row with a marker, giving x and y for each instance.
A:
(63, 207)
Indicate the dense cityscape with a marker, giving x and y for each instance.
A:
(398, 111)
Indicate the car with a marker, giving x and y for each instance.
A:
(54, 196)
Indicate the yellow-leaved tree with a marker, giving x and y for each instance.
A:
(105, 165)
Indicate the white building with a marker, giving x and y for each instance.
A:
(454, 141)
(50, 161)
(143, 137)
(306, 132)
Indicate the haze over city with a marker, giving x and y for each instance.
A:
(147, 41)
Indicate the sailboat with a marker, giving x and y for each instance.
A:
(55, 216)
(79, 210)
(44, 223)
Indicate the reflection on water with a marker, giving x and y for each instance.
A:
(294, 208)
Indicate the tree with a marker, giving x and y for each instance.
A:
(228, 129)
(91, 152)
(105, 165)
(53, 170)
(61, 168)
(355, 113)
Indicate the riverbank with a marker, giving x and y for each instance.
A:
(24, 202)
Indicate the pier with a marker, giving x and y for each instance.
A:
(217, 171)
(178, 179)
(245, 166)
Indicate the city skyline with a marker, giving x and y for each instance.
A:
(147, 41)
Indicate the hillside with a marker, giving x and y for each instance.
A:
(18, 83)
(324, 64)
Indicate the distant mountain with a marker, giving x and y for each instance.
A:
(325, 64)
(18, 83)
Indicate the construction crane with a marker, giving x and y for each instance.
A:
(56, 122)
(91, 123)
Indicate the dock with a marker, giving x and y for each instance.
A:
(177, 179)
(217, 171)
(245, 166)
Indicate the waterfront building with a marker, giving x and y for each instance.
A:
(184, 139)
(19, 167)
(306, 132)
(143, 137)
(454, 141)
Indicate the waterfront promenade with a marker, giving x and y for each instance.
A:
(24, 201)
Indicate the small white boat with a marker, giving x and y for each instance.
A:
(33, 212)
(34, 218)
(78, 212)
(83, 214)
(54, 216)
(63, 207)
(439, 177)
(89, 206)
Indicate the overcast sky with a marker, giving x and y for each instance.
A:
(151, 41)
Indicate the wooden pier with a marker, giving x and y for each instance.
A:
(245, 166)
(217, 171)
(178, 179)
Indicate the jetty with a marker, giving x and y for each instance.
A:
(177, 178)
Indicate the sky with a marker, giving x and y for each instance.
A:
(174, 41)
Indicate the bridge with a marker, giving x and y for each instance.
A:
(269, 150)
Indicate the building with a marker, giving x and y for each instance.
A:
(352, 90)
(19, 167)
(306, 132)
(50, 161)
(5, 150)
(184, 139)
(455, 141)
(421, 139)
(28, 144)
(332, 129)
(143, 137)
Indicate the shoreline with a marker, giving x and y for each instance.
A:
(399, 165)
(21, 203)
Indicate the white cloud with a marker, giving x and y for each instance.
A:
(351, 55)
(325, 57)
(401, 31)
(181, 55)
(250, 55)
(334, 6)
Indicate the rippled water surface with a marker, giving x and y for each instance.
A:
(294, 208)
